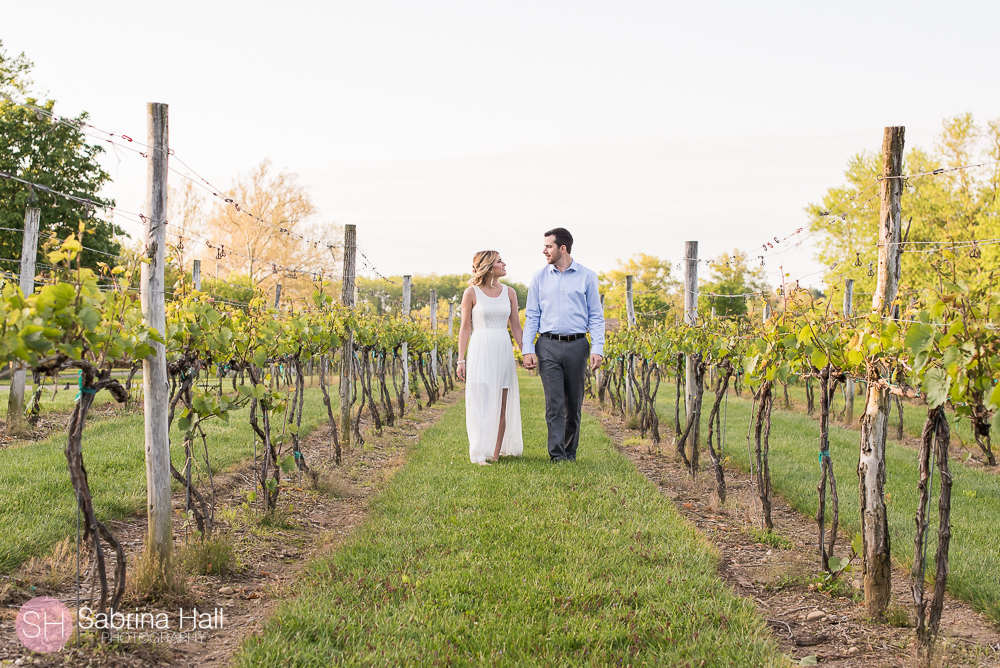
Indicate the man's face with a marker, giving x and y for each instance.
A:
(551, 251)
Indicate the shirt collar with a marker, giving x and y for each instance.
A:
(573, 266)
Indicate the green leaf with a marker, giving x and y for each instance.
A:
(184, 423)
(936, 386)
(810, 660)
(837, 564)
(288, 464)
(259, 391)
(272, 485)
(819, 358)
(919, 338)
(857, 544)
(260, 357)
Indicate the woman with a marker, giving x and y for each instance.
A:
(492, 404)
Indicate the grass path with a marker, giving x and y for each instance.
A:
(521, 563)
(36, 497)
(974, 557)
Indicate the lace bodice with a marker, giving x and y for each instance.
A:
(490, 313)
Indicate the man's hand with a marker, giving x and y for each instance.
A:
(529, 361)
(595, 362)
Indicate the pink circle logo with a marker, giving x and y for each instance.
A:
(44, 624)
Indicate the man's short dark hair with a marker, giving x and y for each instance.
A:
(563, 238)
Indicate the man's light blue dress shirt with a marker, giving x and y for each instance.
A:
(564, 302)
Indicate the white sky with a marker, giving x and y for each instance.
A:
(443, 128)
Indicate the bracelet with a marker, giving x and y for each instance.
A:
(461, 362)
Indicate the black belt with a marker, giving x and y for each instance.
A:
(563, 337)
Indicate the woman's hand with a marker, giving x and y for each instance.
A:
(460, 370)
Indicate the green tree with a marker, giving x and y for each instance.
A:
(730, 275)
(656, 293)
(953, 206)
(42, 148)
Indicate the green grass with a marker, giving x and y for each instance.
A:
(521, 563)
(974, 558)
(37, 508)
(913, 414)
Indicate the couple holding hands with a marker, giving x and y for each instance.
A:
(563, 307)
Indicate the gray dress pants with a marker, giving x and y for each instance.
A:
(562, 366)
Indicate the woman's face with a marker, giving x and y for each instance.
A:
(499, 268)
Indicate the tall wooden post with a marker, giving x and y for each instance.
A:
(277, 295)
(434, 327)
(630, 312)
(347, 349)
(849, 389)
(876, 564)
(691, 318)
(451, 330)
(407, 291)
(29, 249)
(196, 275)
(154, 367)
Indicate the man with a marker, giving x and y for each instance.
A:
(563, 306)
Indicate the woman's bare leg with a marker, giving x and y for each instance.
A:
(503, 424)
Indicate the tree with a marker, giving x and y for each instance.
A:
(42, 148)
(731, 275)
(270, 233)
(655, 293)
(186, 213)
(953, 206)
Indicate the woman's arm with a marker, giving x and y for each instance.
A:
(515, 320)
(465, 329)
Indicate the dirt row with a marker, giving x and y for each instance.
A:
(807, 615)
(316, 518)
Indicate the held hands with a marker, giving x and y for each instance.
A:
(529, 361)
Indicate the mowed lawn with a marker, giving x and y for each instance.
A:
(974, 556)
(520, 563)
(37, 506)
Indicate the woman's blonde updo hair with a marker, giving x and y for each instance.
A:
(482, 262)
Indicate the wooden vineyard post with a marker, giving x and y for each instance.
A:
(629, 372)
(598, 375)
(451, 331)
(691, 318)
(849, 388)
(876, 564)
(347, 349)
(196, 275)
(407, 290)
(155, 384)
(277, 295)
(29, 249)
(434, 327)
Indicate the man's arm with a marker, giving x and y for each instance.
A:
(532, 313)
(595, 316)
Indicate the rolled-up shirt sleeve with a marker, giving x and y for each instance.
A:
(595, 316)
(532, 312)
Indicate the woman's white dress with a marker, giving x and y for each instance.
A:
(489, 369)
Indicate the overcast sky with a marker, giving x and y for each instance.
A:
(443, 128)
